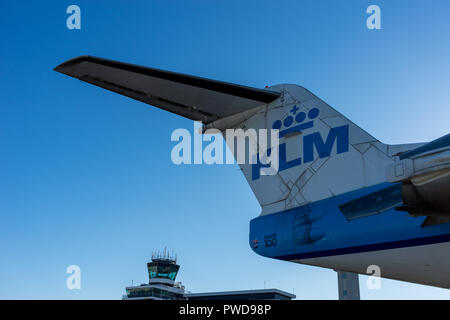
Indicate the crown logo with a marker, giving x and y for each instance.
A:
(286, 126)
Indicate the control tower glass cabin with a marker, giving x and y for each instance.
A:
(162, 272)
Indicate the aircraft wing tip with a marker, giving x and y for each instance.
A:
(63, 66)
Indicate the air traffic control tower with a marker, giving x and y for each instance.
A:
(162, 271)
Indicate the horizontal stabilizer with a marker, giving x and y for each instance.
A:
(192, 97)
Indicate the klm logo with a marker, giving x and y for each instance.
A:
(337, 135)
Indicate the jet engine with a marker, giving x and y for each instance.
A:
(425, 176)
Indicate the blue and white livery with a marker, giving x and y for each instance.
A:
(340, 198)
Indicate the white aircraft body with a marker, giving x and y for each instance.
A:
(341, 199)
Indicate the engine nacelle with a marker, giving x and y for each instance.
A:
(425, 174)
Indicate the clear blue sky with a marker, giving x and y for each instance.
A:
(86, 176)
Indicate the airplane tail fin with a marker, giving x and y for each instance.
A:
(321, 152)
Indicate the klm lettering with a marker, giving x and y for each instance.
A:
(337, 135)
